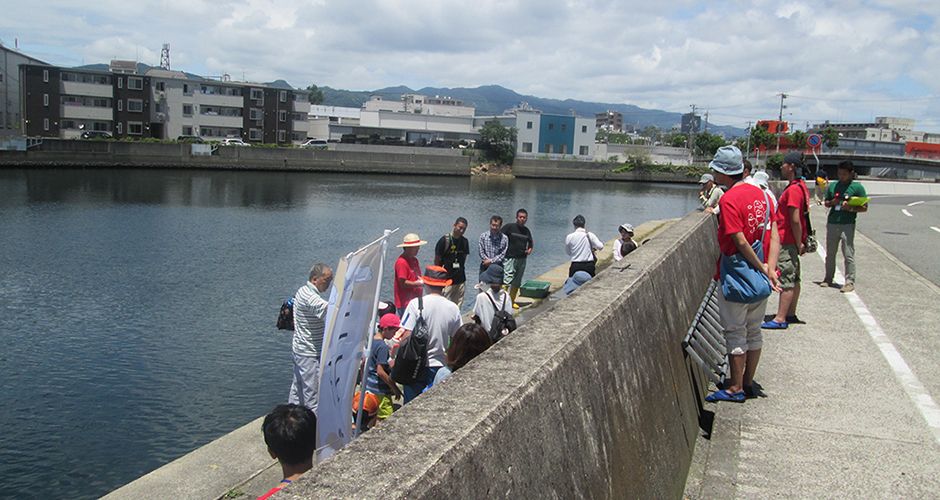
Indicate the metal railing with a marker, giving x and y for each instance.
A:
(705, 343)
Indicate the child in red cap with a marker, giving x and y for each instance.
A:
(378, 379)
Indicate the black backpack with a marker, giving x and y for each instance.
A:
(412, 355)
(285, 320)
(503, 321)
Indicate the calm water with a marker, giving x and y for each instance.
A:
(137, 308)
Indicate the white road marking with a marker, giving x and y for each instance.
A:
(905, 212)
(909, 381)
(935, 228)
(915, 203)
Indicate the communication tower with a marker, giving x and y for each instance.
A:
(165, 57)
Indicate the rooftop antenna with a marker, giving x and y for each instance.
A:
(165, 57)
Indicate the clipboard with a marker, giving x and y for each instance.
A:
(857, 201)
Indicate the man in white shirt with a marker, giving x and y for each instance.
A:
(309, 323)
(580, 246)
(492, 297)
(443, 319)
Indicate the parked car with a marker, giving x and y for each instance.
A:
(95, 134)
(314, 143)
(190, 138)
(234, 142)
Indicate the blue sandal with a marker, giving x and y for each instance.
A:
(723, 395)
(773, 325)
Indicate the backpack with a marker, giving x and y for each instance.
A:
(285, 320)
(412, 355)
(503, 321)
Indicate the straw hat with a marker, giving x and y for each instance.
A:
(412, 240)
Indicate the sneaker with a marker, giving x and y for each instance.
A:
(848, 287)
(825, 284)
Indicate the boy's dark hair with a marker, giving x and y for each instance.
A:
(521, 211)
(290, 431)
(468, 341)
(461, 219)
(847, 164)
(579, 221)
(496, 218)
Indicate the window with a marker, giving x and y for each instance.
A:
(135, 128)
(187, 110)
(526, 147)
(564, 127)
(134, 106)
(282, 116)
(563, 148)
(120, 128)
(158, 107)
(161, 86)
(281, 135)
(45, 99)
(101, 103)
(134, 83)
(283, 96)
(549, 148)
(551, 126)
(45, 78)
(254, 114)
(583, 129)
(528, 125)
(256, 94)
(254, 134)
(188, 131)
(583, 151)
(67, 124)
(298, 117)
(120, 105)
(187, 89)
(45, 124)
(101, 126)
(120, 83)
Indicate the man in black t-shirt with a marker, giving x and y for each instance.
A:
(451, 254)
(520, 246)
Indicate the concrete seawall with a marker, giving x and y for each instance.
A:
(592, 170)
(100, 154)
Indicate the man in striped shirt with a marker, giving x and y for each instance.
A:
(309, 323)
(493, 244)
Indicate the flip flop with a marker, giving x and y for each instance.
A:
(794, 319)
(773, 325)
(722, 395)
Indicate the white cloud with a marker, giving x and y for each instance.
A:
(733, 56)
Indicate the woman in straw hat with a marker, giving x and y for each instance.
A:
(408, 284)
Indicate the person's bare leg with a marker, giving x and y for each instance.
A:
(736, 361)
(786, 297)
(752, 358)
(791, 311)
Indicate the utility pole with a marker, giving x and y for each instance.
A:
(692, 133)
(780, 120)
(748, 154)
(706, 122)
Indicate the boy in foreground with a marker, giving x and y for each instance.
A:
(290, 433)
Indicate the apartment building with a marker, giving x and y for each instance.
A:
(555, 136)
(161, 104)
(10, 61)
(610, 120)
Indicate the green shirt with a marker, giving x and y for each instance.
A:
(841, 190)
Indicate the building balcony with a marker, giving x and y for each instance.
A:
(225, 101)
(86, 112)
(219, 121)
(86, 89)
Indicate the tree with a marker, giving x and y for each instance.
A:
(653, 132)
(676, 139)
(830, 137)
(498, 142)
(316, 95)
(798, 139)
(761, 137)
(775, 161)
(707, 144)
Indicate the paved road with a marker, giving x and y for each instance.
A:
(906, 226)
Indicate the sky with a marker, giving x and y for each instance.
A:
(844, 61)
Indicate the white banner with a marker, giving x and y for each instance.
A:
(349, 325)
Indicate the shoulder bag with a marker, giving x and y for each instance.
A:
(740, 282)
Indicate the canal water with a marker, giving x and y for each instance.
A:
(137, 307)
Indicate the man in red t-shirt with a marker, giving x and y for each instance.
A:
(745, 215)
(791, 212)
(408, 284)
